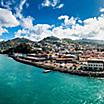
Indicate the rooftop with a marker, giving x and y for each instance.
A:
(95, 60)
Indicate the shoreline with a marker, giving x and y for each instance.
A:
(47, 67)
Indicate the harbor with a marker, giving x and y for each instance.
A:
(56, 54)
(56, 67)
(23, 84)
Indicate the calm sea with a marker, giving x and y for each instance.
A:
(24, 84)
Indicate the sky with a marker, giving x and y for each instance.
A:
(37, 19)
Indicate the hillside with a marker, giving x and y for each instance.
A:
(14, 42)
(68, 41)
(23, 43)
(90, 41)
(51, 40)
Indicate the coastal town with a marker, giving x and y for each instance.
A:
(54, 54)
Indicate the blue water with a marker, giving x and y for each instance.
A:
(24, 84)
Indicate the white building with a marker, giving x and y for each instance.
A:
(94, 65)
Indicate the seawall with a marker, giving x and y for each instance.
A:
(73, 72)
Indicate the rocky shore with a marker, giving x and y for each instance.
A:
(50, 67)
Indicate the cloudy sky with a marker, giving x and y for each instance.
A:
(36, 19)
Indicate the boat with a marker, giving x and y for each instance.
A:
(46, 71)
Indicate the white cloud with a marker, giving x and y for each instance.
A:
(36, 33)
(92, 28)
(7, 3)
(19, 9)
(52, 3)
(7, 19)
(63, 17)
(67, 21)
(60, 6)
(46, 3)
(27, 5)
(27, 22)
(80, 21)
(102, 10)
(2, 30)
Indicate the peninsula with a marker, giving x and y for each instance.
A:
(80, 57)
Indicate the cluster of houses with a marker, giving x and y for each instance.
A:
(91, 61)
(84, 57)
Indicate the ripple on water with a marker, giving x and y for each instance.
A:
(24, 84)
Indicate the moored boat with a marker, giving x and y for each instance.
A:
(46, 71)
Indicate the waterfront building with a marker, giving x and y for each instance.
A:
(94, 65)
(63, 60)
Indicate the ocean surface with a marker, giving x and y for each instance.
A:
(24, 84)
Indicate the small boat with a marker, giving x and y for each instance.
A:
(46, 71)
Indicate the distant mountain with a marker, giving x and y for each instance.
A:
(14, 42)
(51, 39)
(84, 41)
(67, 40)
(90, 41)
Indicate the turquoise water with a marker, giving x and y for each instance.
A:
(24, 84)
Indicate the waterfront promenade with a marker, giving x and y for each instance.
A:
(52, 66)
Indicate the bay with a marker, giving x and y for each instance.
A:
(25, 84)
